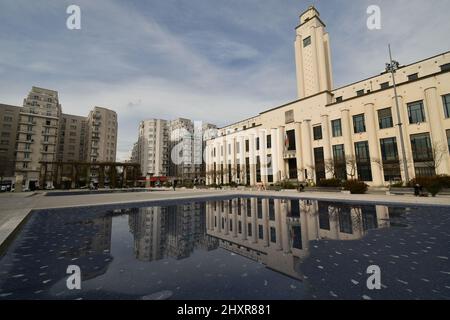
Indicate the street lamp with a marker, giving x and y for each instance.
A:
(392, 68)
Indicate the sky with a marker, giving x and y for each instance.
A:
(216, 61)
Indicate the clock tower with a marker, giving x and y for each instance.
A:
(312, 55)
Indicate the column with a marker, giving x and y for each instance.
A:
(225, 161)
(348, 143)
(263, 156)
(252, 160)
(284, 228)
(277, 208)
(265, 213)
(280, 153)
(274, 144)
(233, 159)
(235, 217)
(307, 149)
(438, 134)
(242, 178)
(254, 220)
(327, 151)
(377, 174)
(298, 151)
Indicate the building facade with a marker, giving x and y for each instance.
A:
(172, 148)
(351, 132)
(39, 132)
(9, 122)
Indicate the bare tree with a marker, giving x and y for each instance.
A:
(438, 153)
(352, 165)
(330, 167)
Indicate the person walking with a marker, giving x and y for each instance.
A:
(174, 185)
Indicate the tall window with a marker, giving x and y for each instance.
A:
(306, 42)
(389, 154)
(317, 132)
(446, 102)
(257, 144)
(359, 123)
(247, 146)
(319, 162)
(363, 161)
(385, 118)
(423, 155)
(339, 162)
(336, 128)
(269, 141)
(291, 140)
(448, 139)
(416, 112)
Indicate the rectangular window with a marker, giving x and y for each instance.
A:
(363, 161)
(359, 124)
(385, 118)
(340, 170)
(413, 76)
(260, 232)
(273, 235)
(257, 144)
(445, 67)
(269, 141)
(422, 155)
(448, 139)
(339, 99)
(389, 155)
(384, 85)
(345, 220)
(324, 216)
(336, 128)
(306, 42)
(291, 140)
(319, 162)
(317, 132)
(249, 229)
(247, 145)
(416, 112)
(446, 102)
(360, 93)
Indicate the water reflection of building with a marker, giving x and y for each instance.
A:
(277, 232)
(173, 231)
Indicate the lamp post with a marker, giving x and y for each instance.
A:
(392, 67)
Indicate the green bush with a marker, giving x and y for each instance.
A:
(330, 183)
(355, 186)
(432, 184)
(286, 184)
(434, 188)
(397, 185)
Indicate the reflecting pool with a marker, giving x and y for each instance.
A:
(231, 248)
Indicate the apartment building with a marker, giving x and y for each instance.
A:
(39, 132)
(9, 122)
(37, 135)
(101, 137)
(349, 132)
(72, 138)
(153, 147)
(172, 148)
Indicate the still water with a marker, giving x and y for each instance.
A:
(237, 248)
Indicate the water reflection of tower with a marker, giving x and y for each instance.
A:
(148, 228)
(184, 229)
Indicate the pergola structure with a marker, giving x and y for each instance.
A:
(75, 173)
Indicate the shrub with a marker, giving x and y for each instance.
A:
(286, 184)
(355, 186)
(330, 183)
(397, 185)
(434, 188)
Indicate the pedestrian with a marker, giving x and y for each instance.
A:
(417, 188)
(174, 184)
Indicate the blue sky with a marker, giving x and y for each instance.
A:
(212, 60)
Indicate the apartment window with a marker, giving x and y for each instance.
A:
(25, 165)
(257, 144)
(28, 137)
(336, 128)
(445, 67)
(385, 118)
(29, 128)
(446, 102)
(363, 161)
(317, 132)
(339, 99)
(247, 145)
(269, 141)
(416, 112)
(5, 134)
(26, 155)
(289, 116)
(413, 76)
(27, 146)
(7, 119)
(306, 42)
(359, 124)
(384, 85)
(45, 138)
(273, 235)
(360, 92)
